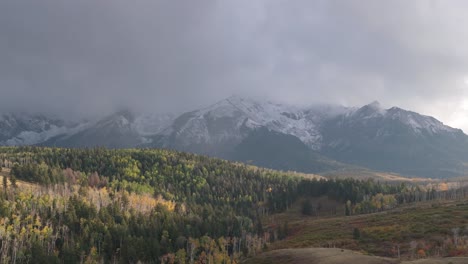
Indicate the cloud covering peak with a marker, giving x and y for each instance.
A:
(92, 57)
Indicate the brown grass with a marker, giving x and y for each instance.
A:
(336, 256)
(381, 233)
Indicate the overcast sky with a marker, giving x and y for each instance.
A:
(91, 57)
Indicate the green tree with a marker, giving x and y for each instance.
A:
(13, 181)
(356, 233)
(307, 208)
(5, 184)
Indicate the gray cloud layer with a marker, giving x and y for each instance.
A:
(88, 57)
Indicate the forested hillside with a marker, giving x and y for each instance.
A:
(149, 205)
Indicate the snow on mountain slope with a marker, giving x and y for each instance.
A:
(228, 121)
(124, 128)
(416, 122)
(371, 136)
(30, 129)
(18, 129)
(217, 123)
(419, 123)
(33, 138)
(231, 118)
(395, 140)
(289, 120)
(152, 124)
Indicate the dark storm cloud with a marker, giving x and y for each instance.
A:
(90, 57)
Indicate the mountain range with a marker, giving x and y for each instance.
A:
(313, 139)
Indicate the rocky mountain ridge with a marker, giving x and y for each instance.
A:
(392, 139)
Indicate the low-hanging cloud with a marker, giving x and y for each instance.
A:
(90, 57)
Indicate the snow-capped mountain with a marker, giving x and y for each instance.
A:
(310, 139)
(384, 139)
(416, 122)
(232, 119)
(30, 129)
(396, 140)
(122, 129)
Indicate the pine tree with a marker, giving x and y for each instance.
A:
(307, 207)
(5, 184)
(13, 180)
(356, 233)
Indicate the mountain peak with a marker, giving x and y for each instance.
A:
(373, 109)
(121, 118)
(375, 104)
(126, 113)
(235, 97)
(237, 100)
